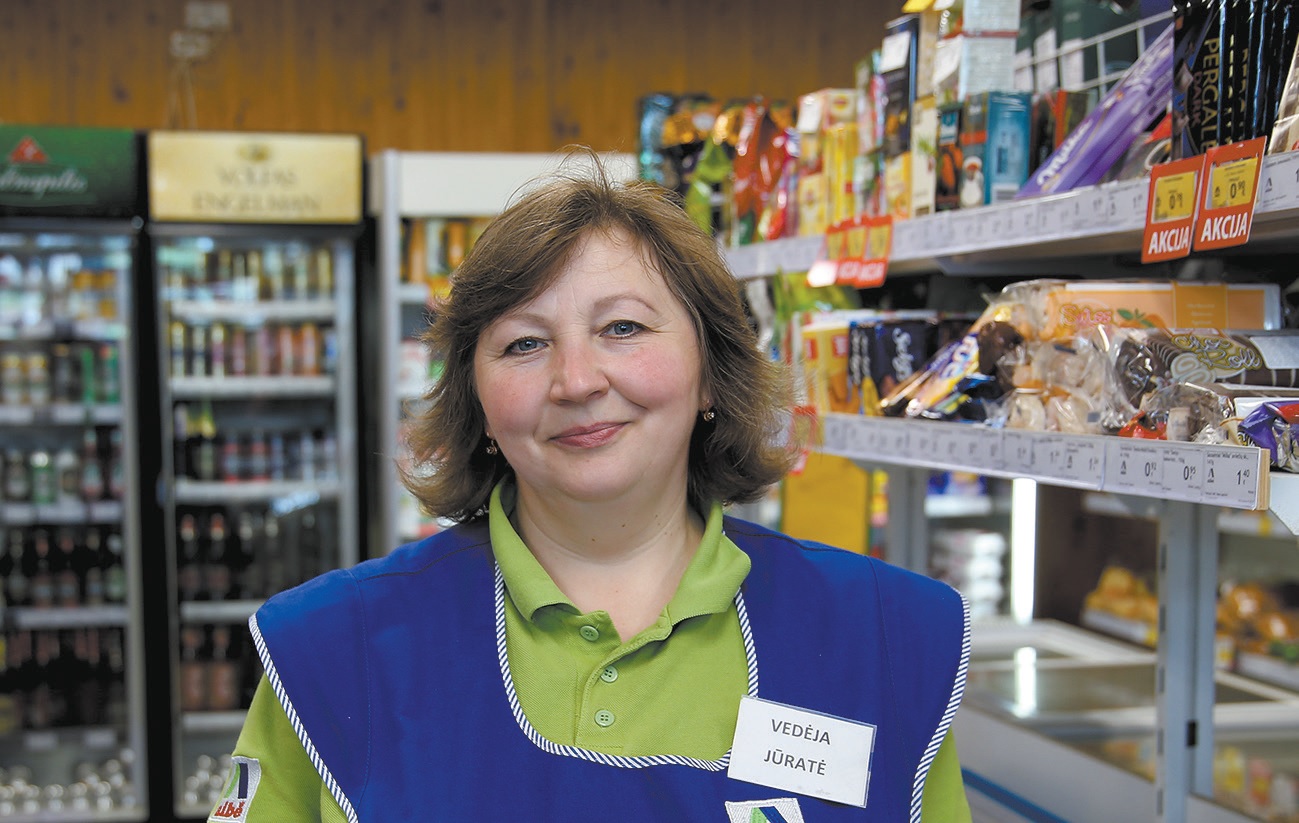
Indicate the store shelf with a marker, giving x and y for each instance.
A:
(93, 329)
(1068, 229)
(61, 414)
(212, 722)
(88, 738)
(247, 387)
(955, 506)
(412, 294)
(1230, 476)
(198, 492)
(218, 611)
(61, 514)
(59, 617)
(249, 312)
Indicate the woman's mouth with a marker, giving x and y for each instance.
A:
(588, 437)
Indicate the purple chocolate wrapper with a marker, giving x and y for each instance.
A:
(1103, 137)
(1274, 427)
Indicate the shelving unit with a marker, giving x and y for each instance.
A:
(1181, 485)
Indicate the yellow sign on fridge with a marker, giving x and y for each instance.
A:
(252, 177)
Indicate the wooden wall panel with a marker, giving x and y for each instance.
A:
(435, 75)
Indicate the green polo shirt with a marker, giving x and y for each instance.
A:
(579, 684)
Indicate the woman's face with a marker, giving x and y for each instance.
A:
(591, 389)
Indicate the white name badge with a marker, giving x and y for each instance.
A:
(814, 754)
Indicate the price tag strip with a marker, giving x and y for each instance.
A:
(1231, 476)
(1228, 188)
(1171, 209)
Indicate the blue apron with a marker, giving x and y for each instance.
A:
(393, 673)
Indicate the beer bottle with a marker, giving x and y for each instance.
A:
(116, 466)
(63, 377)
(177, 336)
(272, 556)
(223, 288)
(324, 274)
(180, 441)
(94, 567)
(222, 674)
(17, 481)
(67, 588)
(238, 350)
(188, 573)
(67, 472)
(218, 350)
(193, 685)
(198, 355)
(42, 583)
(114, 565)
(17, 581)
(110, 383)
(92, 472)
(44, 485)
(216, 567)
(206, 458)
(89, 380)
(250, 585)
(113, 654)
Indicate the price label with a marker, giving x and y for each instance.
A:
(924, 444)
(834, 435)
(17, 415)
(1049, 457)
(906, 246)
(1232, 183)
(1226, 196)
(1183, 473)
(1174, 197)
(1133, 468)
(1095, 208)
(41, 741)
(1018, 452)
(106, 511)
(1233, 477)
(1026, 222)
(1278, 185)
(1083, 463)
(99, 739)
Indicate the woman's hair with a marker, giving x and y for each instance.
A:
(732, 458)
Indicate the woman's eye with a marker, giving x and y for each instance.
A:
(523, 345)
(624, 328)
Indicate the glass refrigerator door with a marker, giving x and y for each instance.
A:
(259, 430)
(72, 726)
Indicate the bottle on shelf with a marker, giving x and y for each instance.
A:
(63, 375)
(43, 482)
(205, 460)
(89, 374)
(218, 336)
(222, 673)
(38, 379)
(110, 384)
(17, 480)
(13, 380)
(95, 568)
(67, 472)
(188, 572)
(42, 576)
(92, 471)
(176, 335)
(116, 466)
(113, 562)
(216, 565)
(67, 585)
(17, 580)
(324, 273)
(198, 354)
(193, 682)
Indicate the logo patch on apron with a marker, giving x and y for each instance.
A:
(237, 796)
(781, 810)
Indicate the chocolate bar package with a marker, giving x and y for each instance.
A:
(950, 160)
(1282, 39)
(1274, 427)
(900, 346)
(1285, 132)
(1129, 109)
(1197, 65)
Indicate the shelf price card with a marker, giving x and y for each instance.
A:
(856, 253)
(1171, 209)
(1228, 188)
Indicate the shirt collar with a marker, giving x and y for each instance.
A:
(707, 587)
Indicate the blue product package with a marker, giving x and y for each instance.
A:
(1104, 136)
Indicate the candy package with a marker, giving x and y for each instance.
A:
(1274, 427)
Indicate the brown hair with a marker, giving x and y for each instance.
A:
(732, 458)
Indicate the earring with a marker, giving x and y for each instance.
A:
(491, 447)
(709, 415)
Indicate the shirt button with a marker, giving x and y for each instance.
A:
(589, 633)
(604, 718)
(609, 674)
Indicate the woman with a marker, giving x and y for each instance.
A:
(596, 641)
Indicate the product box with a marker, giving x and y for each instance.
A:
(1072, 307)
(1079, 20)
(994, 147)
(1023, 79)
(948, 165)
(897, 186)
(840, 145)
(1046, 60)
(898, 68)
(990, 16)
(1197, 63)
(1127, 111)
(869, 90)
(868, 183)
(1055, 115)
(969, 64)
(924, 144)
(825, 366)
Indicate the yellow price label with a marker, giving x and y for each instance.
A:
(878, 243)
(834, 243)
(1232, 183)
(1174, 197)
(856, 242)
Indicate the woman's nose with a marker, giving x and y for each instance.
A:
(578, 372)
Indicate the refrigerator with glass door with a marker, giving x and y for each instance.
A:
(254, 262)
